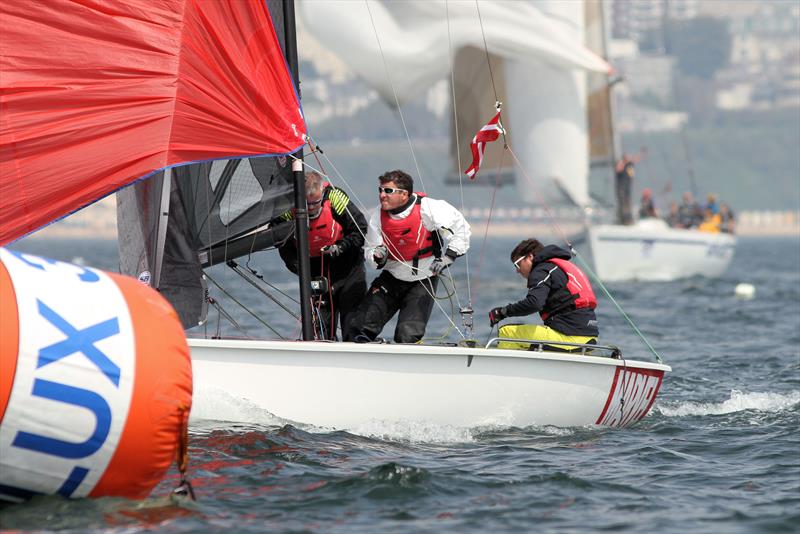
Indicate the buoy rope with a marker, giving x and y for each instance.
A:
(184, 488)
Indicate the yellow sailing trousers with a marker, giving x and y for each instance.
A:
(539, 333)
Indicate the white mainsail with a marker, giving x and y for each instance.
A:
(544, 64)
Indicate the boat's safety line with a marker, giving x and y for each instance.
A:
(541, 344)
(585, 265)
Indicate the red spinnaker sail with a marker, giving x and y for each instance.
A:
(95, 95)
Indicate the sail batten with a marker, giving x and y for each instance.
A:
(92, 100)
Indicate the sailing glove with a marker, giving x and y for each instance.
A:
(334, 251)
(497, 315)
(380, 256)
(439, 264)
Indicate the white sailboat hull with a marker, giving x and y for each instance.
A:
(345, 385)
(651, 250)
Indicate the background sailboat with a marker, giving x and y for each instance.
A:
(648, 249)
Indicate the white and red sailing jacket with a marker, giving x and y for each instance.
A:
(434, 215)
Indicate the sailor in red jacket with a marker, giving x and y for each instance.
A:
(558, 290)
(336, 229)
(413, 239)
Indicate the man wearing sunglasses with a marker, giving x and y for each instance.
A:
(414, 239)
(336, 230)
(558, 290)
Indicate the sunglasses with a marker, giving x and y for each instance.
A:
(389, 190)
(516, 263)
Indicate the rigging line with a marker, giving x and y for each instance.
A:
(394, 92)
(488, 222)
(553, 220)
(449, 296)
(489, 63)
(441, 308)
(245, 308)
(599, 282)
(222, 313)
(235, 267)
(690, 165)
(315, 151)
(457, 141)
(263, 281)
(644, 148)
(350, 190)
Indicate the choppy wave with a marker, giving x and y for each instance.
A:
(414, 431)
(738, 402)
(218, 405)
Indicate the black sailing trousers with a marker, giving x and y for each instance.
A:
(347, 294)
(385, 297)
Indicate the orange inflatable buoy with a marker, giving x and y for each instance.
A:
(95, 381)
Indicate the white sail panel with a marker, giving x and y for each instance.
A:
(414, 37)
(548, 110)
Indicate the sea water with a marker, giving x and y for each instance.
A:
(720, 451)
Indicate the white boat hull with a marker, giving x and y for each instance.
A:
(346, 385)
(651, 250)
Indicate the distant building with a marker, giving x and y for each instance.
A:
(648, 75)
(631, 19)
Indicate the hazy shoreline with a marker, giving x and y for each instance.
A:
(501, 229)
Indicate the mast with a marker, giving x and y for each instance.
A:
(301, 209)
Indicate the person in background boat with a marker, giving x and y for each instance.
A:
(689, 214)
(336, 230)
(727, 219)
(413, 239)
(712, 222)
(624, 173)
(673, 217)
(557, 290)
(647, 208)
(711, 203)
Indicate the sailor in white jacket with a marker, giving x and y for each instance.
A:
(413, 238)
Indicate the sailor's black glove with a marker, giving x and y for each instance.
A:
(447, 259)
(439, 264)
(497, 315)
(380, 256)
(334, 251)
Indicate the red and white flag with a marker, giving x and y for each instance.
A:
(490, 132)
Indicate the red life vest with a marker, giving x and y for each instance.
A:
(407, 239)
(577, 284)
(324, 230)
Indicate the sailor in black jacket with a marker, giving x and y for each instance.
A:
(557, 289)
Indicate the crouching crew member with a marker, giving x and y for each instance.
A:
(558, 290)
(336, 230)
(413, 238)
